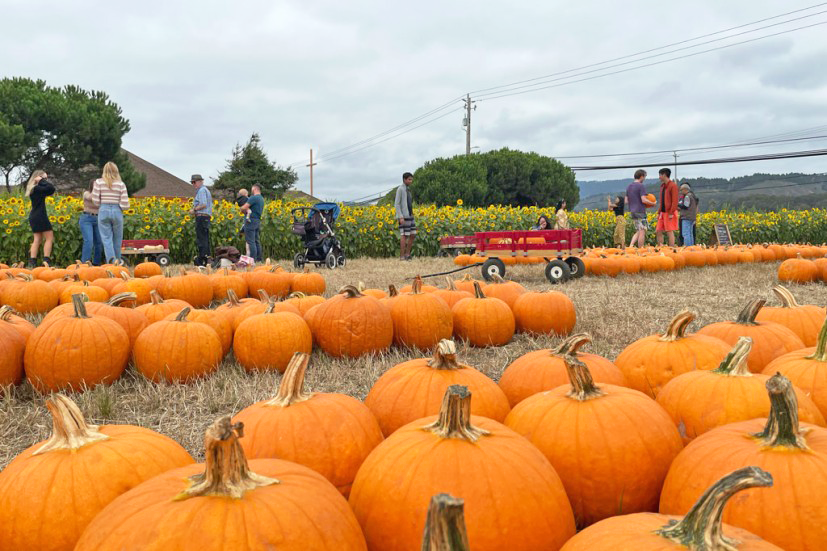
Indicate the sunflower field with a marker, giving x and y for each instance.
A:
(365, 230)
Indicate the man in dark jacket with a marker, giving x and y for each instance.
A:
(688, 205)
(668, 208)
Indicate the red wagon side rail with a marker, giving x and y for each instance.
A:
(138, 243)
(540, 243)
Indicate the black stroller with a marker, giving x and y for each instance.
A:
(316, 226)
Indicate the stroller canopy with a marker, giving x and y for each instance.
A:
(333, 208)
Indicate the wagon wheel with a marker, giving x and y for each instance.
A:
(577, 267)
(163, 260)
(492, 267)
(557, 271)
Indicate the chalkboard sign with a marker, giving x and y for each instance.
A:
(722, 234)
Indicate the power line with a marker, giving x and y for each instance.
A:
(742, 159)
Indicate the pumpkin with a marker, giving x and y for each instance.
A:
(700, 529)
(90, 273)
(227, 503)
(414, 389)
(140, 287)
(60, 284)
(309, 283)
(304, 302)
(10, 320)
(699, 401)
(482, 320)
(420, 319)
(545, 369)
(513, 497)
(467, 283)
(625, 438)
(375, 293)
(274, 280)
(48, 273)
(12, 347)
(148, 269)
(92, 292)
(28, 295)
(262, 305)
(445, 525)
(769, 339)
(423, 288)
(193, 288)
(268, 341)
(806, 369)
(650, 197)
(329, 433)
(224, 281)
(158, 308)
(548, 312)
(796, 455)
(234, 306)
(108, 282)
(130, 318)
(215, 320)
(451, 295)
(805, 321)
(651, 362)
(506, 291)
(52, 490)
(76, 352)
(177, 350)
(798, 270)
(351, 324)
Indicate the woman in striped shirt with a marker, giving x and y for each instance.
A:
(109, 193)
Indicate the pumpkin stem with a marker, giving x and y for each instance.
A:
(582, 384)
(747, 315)
(785, 296)
(307, 269)
(445, 525)
(182, 315)
(125, 276)
(450, 284)
(232, 297)
(392, 291)
(69, 429)
(291, 388)
(298, 294)
(445, 356)
(782, 428)
(6, 312)
(115, 300)
(455, 416)
(416, 287)
(677, 327)
(478, 290)
(263, 296)
(820, 354)
(226, 271)
(182, 271)
(79, 306)
(350, 292)
(226, 473)
(701, 528)
(155, 297)
(571, 345)
(497, 278)
(735, 362)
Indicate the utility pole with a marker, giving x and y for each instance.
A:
(675, 154)
(467, 122)
(311, 165)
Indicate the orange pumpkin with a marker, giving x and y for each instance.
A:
(158, 308)
(18, 323)
(274, 281)
(482, 320)
(513, 497)
(227, 503)
(451, 295)
(797, 270)
(627, 438)
(193, 288)
(148, 269)
(12, 347)
(304, 302)
(699, 401)
(108, 282)
(76, 352)
(805, 321)
(177, 350)
(224, 281)
(795, 454)
(309, 283)
(130, 318)
(651, 362)
(769, 340)
(92, 292)
(264, 303)
(329, 433)
(234, 306)
(548, 312)
(215, 320)
(28, 295)
(701, 527)
(268, 341)
(414, 389)
(420, 319)
(52, 490)
(140, 287)
(506, 291)
(375, 293)
(351, 324)
(467, 283)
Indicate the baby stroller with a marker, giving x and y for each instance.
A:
(316, 226)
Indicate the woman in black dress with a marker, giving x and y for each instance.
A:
(37, 190)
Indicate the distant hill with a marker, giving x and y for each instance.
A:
(759, 191)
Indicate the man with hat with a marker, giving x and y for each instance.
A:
(202, 211)
(688, 205)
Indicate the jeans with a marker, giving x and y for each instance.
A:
(688, 232)
(91, 239)
(252, 234)
(110, 226)
(202, 239)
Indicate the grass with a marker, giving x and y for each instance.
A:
(614, 311)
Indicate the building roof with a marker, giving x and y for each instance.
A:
(159, 182)
(298, 196)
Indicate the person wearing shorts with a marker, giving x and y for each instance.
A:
(404, 215)
(637, 207)
(668, 208)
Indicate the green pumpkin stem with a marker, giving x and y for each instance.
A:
(445, 356)
(478, 290)
(454, 419)
(117, 299)
(582, 384)
(735, 362)
(445, 525)
(571, 345)
(69, 429)
(820, 354)
(182, 315)
(678, 326)
(785, 296)
(782, 428)
(291, 387)
(79, 305)
(226, 473)
(747, 315)
(701, 528)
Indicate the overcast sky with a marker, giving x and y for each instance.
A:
(195, 78)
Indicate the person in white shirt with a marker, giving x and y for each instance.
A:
(110, 196)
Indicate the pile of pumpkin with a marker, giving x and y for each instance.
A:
(613, 262)
(566, 440)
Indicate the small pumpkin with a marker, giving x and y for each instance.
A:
(92, 292)
(19, 323)
(304, 302)
(194, 288)
(159, 308)
(309, 283)
(805, 321)
(420, 319)
(121, 309)
(466, 283)
(224, 281)
(482, 320)
(264, 303)
(215, 320)
(28, 295)
(234, 306)
(375, 293)
(451, 295)
(12, 347)
(351, 324)
(797, 270)
(274, 281)
(545, 313)
(140, 287)
(269, 340)
(148, 269)
(506, 291)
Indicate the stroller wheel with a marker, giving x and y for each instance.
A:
(341, 260)
(330, 260)
(299, 260)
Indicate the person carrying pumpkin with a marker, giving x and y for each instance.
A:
(668, 209)
(638, 201)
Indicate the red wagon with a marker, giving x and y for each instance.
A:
(156, 249)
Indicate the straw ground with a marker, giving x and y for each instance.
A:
(614, 311)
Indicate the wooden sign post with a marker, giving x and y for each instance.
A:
(722, 234)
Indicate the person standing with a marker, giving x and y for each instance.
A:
(202, 211)
(110, 196)
(668, 210)
(561, 217)
(92, 250)
(252, 227)
(616, 206)
(243, 194)
(404, 215)
(688, 205)
(636, 198)
(37, 189)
